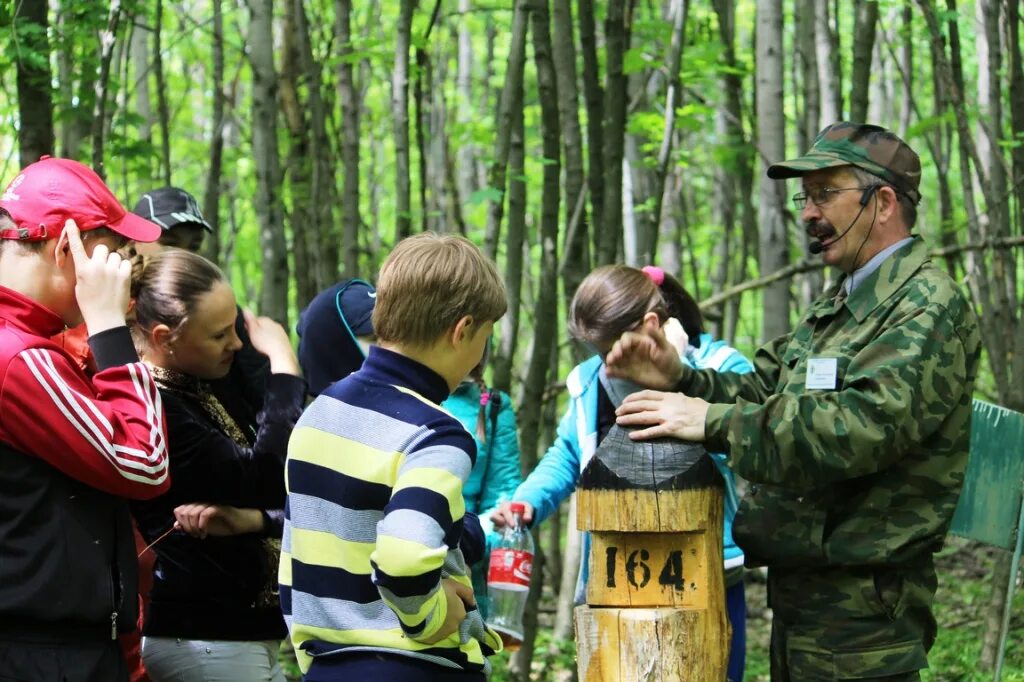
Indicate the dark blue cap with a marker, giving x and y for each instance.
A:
(327, 328)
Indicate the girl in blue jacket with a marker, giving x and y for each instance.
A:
(487, 413)
(610, 301)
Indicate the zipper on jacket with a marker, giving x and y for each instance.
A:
(113, 625)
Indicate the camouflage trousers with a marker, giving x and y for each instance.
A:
(842, 623)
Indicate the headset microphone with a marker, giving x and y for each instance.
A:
(817, 247)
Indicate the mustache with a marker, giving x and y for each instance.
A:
(819, 229)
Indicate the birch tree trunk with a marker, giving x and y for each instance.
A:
(274, 252)
(771, 131)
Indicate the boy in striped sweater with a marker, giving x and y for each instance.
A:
(373, 580)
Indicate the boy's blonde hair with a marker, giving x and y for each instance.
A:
(428, 283)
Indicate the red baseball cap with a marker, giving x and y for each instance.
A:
(50, 191)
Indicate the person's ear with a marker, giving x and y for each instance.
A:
(651, 321)
(62, 250)
(161, 337)
(888, 202)
(463, 330)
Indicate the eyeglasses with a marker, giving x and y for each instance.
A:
(820, 196)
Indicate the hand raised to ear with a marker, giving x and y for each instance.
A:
(102, 282)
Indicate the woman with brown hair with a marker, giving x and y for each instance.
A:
(214, 611)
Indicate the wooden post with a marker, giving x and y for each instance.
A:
(656, 593)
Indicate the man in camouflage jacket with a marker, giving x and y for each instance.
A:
(854, 428)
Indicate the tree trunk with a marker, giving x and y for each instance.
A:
(677, 13)
(576, 248)
(139, 87)
(1016, 78)
(351, 219)
(544, 355)
(161, 94)
(811, 284)
(514, 257)
(321, 232)
(511, 101)
(211, 196)
(298, 163)
(738, 170)
(771, 131)
(570, 573)
(863, 47)
(810, 120)
(422, 94)
(468, 152)
(593, 96)
(907, 61)
(617, 29)
(400, 120)
(35, 97)
(828, 80)
(107, 41)
(274, 261)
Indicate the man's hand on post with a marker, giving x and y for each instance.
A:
(671, 415)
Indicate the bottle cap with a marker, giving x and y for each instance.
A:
(518, 507)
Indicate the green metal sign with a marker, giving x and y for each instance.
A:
(990, 503)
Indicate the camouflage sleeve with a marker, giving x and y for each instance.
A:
(895, 392)
(727, 387)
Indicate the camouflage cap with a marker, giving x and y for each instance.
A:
(870, 147)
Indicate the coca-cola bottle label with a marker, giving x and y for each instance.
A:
(510, 568)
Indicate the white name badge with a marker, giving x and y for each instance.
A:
(821, 373)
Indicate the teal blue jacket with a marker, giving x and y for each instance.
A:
(497, 472)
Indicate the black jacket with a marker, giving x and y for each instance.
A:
(209, 589)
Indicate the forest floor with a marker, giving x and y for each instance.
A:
(961, 603)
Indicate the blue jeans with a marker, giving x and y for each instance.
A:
(736, 607)
(192, 660)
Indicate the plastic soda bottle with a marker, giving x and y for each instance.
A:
(508, 579)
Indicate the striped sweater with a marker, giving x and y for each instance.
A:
(373, 519)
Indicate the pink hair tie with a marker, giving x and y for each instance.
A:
(485, 397)
(656, 274)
